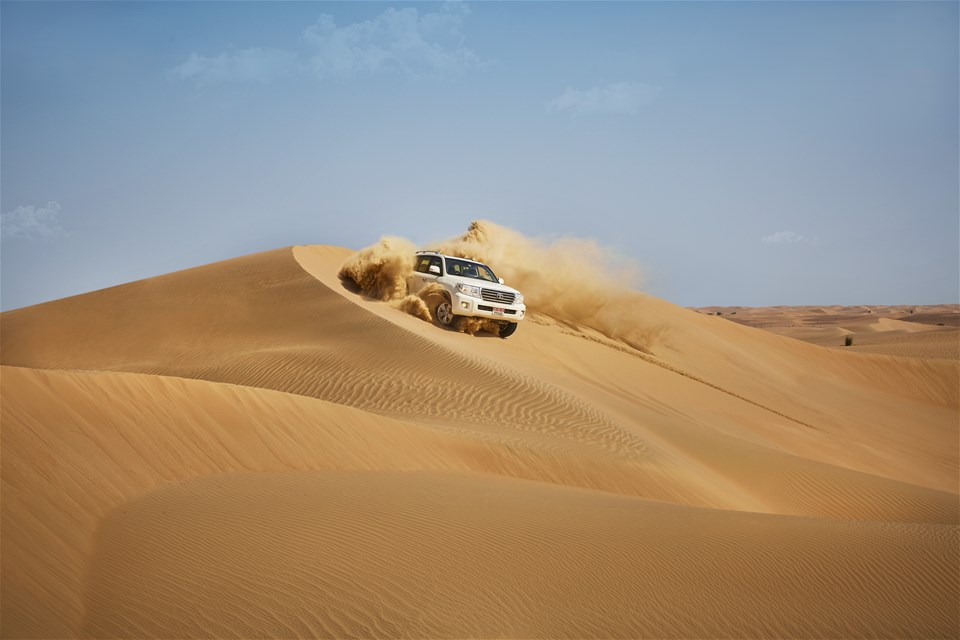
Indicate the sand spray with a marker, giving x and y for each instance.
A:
(572, 280)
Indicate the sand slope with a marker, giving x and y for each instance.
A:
(454, 555)
(249, 448)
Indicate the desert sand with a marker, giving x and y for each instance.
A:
(930, 331)
(259, 448)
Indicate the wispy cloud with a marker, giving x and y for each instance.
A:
(33, 223)
(396, 41)
(618, 98)
(401, 41)
(786, 237)
(244, 65)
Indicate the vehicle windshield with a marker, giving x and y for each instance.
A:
(473, 270)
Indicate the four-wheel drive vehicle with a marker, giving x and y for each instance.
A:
(470, 288)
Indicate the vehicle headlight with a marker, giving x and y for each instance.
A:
(518, 299)
(467, 290)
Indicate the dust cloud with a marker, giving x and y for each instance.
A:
(424, 302)
(381, 270)
(416, 306)
(575, 281)
(474, 326)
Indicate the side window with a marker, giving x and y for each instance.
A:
(423, 263)
(436, 261)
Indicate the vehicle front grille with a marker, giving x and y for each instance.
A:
(500, 297)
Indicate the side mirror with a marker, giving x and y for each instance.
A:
(501, 280)
(434, 269)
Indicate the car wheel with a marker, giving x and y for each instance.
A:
(507, 329)
(444, 315)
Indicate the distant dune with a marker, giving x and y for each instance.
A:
(252, 448)
(930, 332)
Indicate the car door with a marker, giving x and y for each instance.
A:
(426, 272)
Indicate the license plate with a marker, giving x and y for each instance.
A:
(497, 311)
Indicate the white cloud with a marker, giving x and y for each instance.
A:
(398, 40)
(395, 41)
(244, 65)
(33, 223)
(618, 97)
(785, 237)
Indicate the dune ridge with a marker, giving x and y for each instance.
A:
(253, 448)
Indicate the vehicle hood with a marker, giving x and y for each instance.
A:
(483, 284)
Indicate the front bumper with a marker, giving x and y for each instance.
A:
(464, 305)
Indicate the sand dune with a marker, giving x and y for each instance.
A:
(453, 555)
(930, 332)
(251, 448)
(883, 337)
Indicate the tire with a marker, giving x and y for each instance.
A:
(443, 314)
(507, 329)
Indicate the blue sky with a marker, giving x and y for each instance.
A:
(742, 153)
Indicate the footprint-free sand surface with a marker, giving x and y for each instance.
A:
(252, 449)
(925, 331)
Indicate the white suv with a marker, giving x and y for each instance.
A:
(471, 288)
